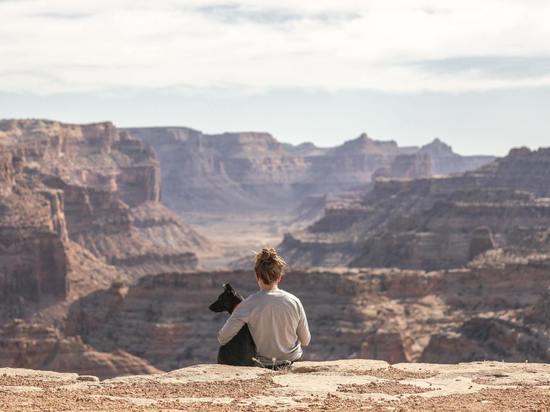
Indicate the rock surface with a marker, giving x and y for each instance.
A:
(89, 184)
(481, 313)
(32, 345)
(244, 172)
(336, 385)
(435, 223)
(79, 209)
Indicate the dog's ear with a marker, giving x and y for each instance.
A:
(228, 287)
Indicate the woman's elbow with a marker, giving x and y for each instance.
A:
(221, 339)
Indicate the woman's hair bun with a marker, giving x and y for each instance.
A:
(269, 265)
(267, 255)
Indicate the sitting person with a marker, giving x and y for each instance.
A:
(276, 319)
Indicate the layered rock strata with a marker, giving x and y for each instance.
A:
(79, 210)
(35, 346)
(434, 223)
(387, 314)
(244, 172)
(107, 182)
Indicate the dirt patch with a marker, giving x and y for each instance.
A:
(485, 400)
(240, 389)
(57, 400)
(389, 388)
(307, 369)
(8, 380)
(494, 380)
(395, 374)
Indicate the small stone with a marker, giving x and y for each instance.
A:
(87, 378)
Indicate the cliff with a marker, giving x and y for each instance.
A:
(106, 184)
(79, 210)
(387, 314)
(36, 346)
(434, 223)
(445, 161)
(336, 385)
(250, 172)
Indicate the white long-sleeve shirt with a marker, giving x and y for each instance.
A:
(277, 323)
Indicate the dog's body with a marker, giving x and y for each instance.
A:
(240, 350)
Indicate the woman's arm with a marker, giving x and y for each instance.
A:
(303, 328)
(232, 325)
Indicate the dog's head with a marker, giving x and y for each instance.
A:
(227, 300)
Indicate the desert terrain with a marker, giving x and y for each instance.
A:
(113, 242)
(308, 386)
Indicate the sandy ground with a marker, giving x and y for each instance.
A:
(237, 237)
(337, 385)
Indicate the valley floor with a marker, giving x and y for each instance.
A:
(335, 385)
(238, 237)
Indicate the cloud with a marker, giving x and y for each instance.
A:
(53, 46)
(62, 15)
(504, 67)
(239, 13)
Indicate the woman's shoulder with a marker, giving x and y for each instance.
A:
(289, 296)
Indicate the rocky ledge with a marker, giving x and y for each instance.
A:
(336, 385)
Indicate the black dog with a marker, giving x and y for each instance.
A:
(240, 350)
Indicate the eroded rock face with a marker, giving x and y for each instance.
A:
(387, 314)
(101, 176)
(407, 166)
(33, 235)
(35, 346)
(79, 210)
(488, 338)
(434, 223)
(243, 172)
(445, 162)
(540, 312)
(172, 325)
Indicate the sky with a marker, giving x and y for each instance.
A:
(474, 73)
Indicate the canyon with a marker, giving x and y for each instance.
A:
(252, 172)
(434, 223)
(113, 242)
(80, 209)
(246, 190)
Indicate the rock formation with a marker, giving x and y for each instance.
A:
(445, 161)
(35, 346)
(101, 185)
(337, 385)
(434, 223)
(387, 314)
(79, 209)
(250, 172)
(98, 277)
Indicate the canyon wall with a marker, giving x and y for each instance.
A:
(107, 185)
(243, 172)
(36, 346)
(98, 276)
(434, 223)
(393, 315)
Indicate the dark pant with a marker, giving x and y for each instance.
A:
(279, 366)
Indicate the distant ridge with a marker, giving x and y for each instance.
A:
(252, 171)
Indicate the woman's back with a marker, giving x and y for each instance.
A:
(276, 319)
(277, 322)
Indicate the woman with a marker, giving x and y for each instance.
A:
(276, 319)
